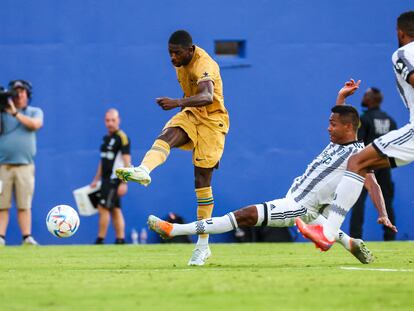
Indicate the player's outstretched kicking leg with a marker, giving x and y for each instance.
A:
(157, 155)
(139, 174)
(248, 217)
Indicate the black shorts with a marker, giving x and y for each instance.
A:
(109, 193)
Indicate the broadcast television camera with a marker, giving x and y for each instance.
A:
(4, 96)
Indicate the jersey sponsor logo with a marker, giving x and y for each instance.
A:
(108, 155)
(401, 68)
(382, 126)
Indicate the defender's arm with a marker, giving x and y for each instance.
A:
(377, 198)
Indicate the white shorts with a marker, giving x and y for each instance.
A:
(283, 212)
(397, 145)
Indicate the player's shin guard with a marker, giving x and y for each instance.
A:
(157, 155)
(346, 195)
(205, 205)
(213, 225)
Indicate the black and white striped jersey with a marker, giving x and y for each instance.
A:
(403, 61)
(317, 185)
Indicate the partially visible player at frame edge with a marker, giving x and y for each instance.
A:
(309, 194)
(201, 126)
(394, 149)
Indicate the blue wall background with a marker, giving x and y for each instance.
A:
(84, 57)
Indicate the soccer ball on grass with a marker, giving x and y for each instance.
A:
(62, 221)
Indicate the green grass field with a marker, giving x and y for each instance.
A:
(237, 277)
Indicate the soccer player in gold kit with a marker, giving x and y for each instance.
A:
(200, 126)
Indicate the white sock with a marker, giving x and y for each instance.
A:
(146, 169)
(213, 225)
(344, 239)
(346, 194)
(340, 237)
(202, 241)
(260, 214)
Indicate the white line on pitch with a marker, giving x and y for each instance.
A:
(377, 269)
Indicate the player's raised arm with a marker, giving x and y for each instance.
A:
(348, 89)
(377, 198)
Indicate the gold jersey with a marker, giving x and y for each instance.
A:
(203, 68)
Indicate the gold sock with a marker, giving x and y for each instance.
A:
(156, 155)
(205, 204)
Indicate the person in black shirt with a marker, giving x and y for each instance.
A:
(115, 152)
(374, 123)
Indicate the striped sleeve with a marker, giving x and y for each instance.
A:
(125, 143)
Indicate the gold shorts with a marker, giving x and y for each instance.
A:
(207, 135)
(21, 179)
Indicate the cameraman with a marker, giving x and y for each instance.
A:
(17, 150)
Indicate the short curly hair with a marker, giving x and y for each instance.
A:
(181, 37)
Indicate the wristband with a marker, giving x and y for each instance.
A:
(15, 114)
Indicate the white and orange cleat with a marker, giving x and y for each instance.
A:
(315, 234)
(163, 228)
